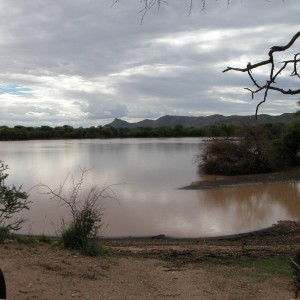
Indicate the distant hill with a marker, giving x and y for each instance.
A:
(185, 121)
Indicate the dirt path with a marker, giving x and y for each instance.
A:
(154, 268)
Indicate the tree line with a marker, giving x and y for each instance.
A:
(104, 132)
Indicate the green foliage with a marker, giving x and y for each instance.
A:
(289, 145)
(27, 240)
(260, 269)
(81, 234)
(68, 132)
(45, 239)
(12, 202)
(4, 234)
(263, 268)
(276, 130)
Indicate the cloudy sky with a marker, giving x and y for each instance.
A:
(86, 62)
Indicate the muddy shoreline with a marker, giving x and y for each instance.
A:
(158, 267)
(280, 240)
(290, 175)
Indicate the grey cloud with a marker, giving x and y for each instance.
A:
(104, 109)
(43, 41)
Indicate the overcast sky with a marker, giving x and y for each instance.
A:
(85, 62)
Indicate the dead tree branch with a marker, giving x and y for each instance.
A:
(77, 198)
(147, 5)
(270, 83)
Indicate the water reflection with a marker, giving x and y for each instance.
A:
(243, 209)
(150, 201)
(210, 213)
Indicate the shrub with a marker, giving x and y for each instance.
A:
(289, 145)
(4, 234)
(12, 202)
(82, 233)
(252, 153)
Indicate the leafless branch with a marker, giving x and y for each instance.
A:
(270, 84)
(76, 199)
(147, 5)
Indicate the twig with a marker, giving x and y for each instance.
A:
(271, 83)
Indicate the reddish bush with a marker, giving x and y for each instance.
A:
(253, 153)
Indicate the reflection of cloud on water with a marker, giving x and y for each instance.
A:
(149, 203)
(203, 213)
(237, 218)
(250, 208)
(181, 213)
(297, 186)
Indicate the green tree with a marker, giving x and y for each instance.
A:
(12, 202)
(289, 145)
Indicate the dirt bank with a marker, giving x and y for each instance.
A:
(292, 175)
(155, 268)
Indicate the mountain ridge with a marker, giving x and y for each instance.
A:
(201, 121)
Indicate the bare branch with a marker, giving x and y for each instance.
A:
(76, 198)
(115, 2)
(249, 67)
(287, 46)
(295, 61)
(149, 4)
(270, 84)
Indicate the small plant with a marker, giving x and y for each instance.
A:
(4, 234)
(45, 239)
(28, 240)
(82, 233)
(12, 202)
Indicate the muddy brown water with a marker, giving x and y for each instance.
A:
(149, 174)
